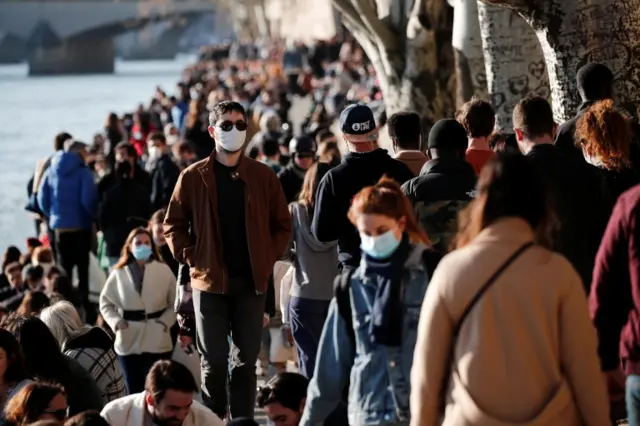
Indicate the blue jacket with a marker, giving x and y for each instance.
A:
(378, 376)
(68, 196)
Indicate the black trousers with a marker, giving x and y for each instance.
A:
(218, 316)
(73, 249)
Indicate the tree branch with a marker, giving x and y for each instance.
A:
(352, 16)
(378, 29)
(520, 6)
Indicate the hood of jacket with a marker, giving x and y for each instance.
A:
(91, 337)
(302, 225)
(377, 155)
(66, 163)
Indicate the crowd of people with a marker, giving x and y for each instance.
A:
(473, 278)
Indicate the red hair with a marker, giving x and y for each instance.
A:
(387, 199)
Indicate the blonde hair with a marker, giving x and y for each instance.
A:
(63, 320)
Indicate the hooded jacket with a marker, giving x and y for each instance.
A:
(315, 262)
(93, 349)
(68, 196)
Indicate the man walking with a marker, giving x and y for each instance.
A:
(228, 220)
(364, 166)
(68, 198)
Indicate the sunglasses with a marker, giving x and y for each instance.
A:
(227, 125)
(58, 414)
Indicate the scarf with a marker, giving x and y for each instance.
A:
(386, 313)
(137, 275)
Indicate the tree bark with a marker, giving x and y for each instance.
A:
(467, 47)
(514, 61)
(576, 32)
(411, 53)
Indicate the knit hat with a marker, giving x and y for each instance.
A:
(447, 134)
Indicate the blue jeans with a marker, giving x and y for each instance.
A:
(307, 317)
(632, 390)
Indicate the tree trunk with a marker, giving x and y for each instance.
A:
(576, 32)
(514, 60)
(467, 47)
(414, 62)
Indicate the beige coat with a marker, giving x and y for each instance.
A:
(526, 354)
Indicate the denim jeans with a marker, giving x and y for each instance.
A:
(632, 390)
(307, 318)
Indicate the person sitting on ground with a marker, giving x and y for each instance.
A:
(43, 256)
(33, 277)
(92, 347)
(478, 119)
(45, 362)
(32, 244)
(87, 418)
(33, 303)
(11, 296)
(406, 138)
(283, 398)
(15, 375)
(36, 401)
(10, 255)
(167, 399)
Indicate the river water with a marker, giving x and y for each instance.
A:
(33, 110)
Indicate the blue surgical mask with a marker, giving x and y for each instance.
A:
(380, 246)
(142, 252)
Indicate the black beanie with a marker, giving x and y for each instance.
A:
(448, 134)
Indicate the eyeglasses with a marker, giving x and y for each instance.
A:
(227, 125)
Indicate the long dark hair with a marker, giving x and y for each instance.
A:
(509, 186)
(10, 255)
(126, 256)
(16, 370)
(42, 357)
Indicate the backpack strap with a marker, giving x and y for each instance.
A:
(341, 286)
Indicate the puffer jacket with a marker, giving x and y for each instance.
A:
(68, 196)
(379, 375)
(93, 349)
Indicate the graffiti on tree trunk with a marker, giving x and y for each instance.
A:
(576, 32)
(515, 65)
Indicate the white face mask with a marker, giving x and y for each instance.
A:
(232, 140)
(154, 153)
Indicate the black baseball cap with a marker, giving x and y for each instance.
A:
(358, 122)
(447, 134)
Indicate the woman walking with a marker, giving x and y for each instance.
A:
(504, 335)
(137, 303)
(370, 332)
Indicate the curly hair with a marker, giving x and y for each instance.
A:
(604, 133)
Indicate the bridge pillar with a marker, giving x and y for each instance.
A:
(79, 55)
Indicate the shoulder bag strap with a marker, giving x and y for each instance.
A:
(492, 279)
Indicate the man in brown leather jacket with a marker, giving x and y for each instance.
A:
(228, 220)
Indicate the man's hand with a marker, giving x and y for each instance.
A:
(185, 341)
(615, 380)
(265, 320)
(122, 324)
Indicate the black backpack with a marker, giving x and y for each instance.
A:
(341, 284)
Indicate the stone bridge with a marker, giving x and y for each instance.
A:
(76, 36)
